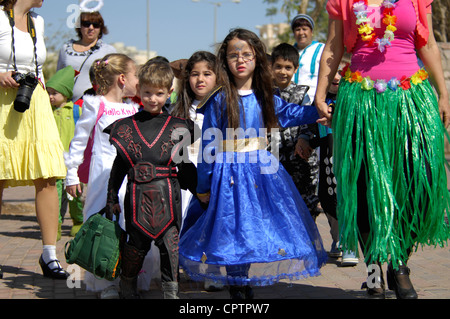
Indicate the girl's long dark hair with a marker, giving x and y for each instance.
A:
(262, 80)
(186, 95)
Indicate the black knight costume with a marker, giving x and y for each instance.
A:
(150, 153)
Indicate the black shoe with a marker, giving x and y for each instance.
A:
(54, 273)
(1, 272)
(375, 290)
(375, 293)
(239, 292)
(401, 274)
(249, 294)
(128, 288)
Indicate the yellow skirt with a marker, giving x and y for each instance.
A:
(30, 146)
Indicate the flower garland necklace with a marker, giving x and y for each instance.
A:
(366, 31)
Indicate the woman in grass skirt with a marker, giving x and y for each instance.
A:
(388, 133)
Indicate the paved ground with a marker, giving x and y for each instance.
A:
(20, 248)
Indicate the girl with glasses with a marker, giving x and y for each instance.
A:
(256, 229)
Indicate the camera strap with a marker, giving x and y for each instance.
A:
(31, 31)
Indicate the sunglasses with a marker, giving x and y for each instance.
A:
(87, 24)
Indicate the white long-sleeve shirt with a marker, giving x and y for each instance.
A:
(103, 153)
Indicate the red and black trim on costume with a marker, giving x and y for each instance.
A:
(147, 145)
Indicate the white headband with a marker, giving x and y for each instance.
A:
(84, 6)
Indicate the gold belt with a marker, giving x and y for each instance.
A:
(245, 145)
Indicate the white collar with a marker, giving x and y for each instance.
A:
(245, 92)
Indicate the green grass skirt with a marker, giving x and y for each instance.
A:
(394, 138)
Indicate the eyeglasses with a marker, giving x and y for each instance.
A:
(87, 24)
(246, 57)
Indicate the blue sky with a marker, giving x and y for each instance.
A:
(178, 28)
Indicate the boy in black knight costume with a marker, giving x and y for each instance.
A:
(150, 148)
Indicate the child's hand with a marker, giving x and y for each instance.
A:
(73, 190)
(303, 149)
(325, 113)
(112, 210)
(204, 198)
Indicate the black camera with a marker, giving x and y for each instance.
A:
(28, 83)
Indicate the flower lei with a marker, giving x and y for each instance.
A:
(366, 31)
(381, 85)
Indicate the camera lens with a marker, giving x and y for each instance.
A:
(22, 102)
(24, 93)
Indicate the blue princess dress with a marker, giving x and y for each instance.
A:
(257, 229)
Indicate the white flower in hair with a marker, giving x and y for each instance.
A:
(84, 6)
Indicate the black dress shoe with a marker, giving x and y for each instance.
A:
(394, 277)
(54, 273)
(375, 293)
(241, 292)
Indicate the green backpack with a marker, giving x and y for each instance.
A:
(96, 247)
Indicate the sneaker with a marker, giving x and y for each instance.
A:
(335, 252)
(110, 292)
(349, 259)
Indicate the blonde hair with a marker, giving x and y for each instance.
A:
(156, 73)
(108, 68)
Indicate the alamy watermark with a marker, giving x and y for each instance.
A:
(74, 11)
(73, 20)
(232, 146)
(375, 278)
(74, 279)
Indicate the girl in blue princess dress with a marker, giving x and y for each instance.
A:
(256, 229)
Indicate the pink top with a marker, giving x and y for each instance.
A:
(397, 60)
(343, 10)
